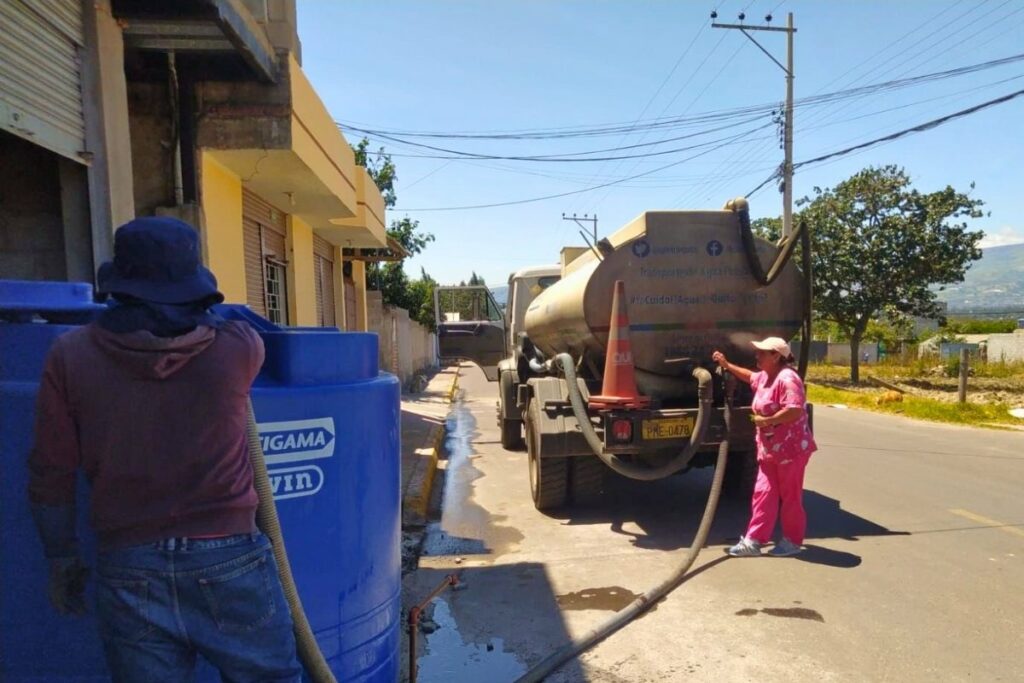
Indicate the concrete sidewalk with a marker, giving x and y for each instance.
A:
(423, 428)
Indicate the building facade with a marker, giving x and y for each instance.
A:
(112, 109)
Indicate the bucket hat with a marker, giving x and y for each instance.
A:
(776, 344)
(156, 259)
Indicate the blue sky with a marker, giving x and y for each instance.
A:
(486, 66)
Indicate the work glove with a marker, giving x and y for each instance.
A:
(66, 588)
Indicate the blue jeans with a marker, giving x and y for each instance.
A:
(161, 604)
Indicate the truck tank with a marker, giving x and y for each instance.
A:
(689, 289)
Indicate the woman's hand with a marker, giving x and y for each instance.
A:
(719, 357)
(760, 421)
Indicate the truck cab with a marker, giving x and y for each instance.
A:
(469, 327)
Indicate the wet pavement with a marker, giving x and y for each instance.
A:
(913, 529)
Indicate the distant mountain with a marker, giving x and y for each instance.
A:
(500, 294)
(995, 283)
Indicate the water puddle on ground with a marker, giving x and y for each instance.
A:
(610, 598)
(465, 527)
(450, 659)
(787, 612)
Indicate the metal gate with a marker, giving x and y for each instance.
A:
(40, 73)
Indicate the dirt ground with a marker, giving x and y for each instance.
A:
(1005, 390)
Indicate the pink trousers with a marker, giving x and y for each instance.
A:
(780, 483)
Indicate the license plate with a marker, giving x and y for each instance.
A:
(668, 428)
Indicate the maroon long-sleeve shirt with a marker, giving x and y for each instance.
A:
(157, 424)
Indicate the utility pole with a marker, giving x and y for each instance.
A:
(584, 219)
(787, 164)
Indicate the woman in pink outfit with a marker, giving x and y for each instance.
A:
(784, 445)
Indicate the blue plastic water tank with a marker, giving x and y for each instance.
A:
(329, 421)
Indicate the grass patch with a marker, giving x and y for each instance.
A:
(976, 414)
(916, 368)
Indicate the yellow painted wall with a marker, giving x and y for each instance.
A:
(301, 274)
(318, 142)
(221, 193)
(359, 276)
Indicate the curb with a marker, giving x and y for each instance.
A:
(416, 498)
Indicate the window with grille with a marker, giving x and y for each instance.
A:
(276, 293)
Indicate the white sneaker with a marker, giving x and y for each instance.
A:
(745, 548)
(784, 548)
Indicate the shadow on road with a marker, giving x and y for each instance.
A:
(663, 515)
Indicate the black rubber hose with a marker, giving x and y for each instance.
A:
(266, 519)
(805, 348)
(628, 469)
(627, 614)
(787, 245)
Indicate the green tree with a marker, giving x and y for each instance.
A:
(390, 278)
(380, 167)
(881, 245)
(768, 228)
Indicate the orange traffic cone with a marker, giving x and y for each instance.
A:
(619, 387)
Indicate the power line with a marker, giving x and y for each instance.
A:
(928, 125)
(921, 127)
(572, 192)
(570, 158)
(709, 117)
(692, 102)
(913, 45)
(829, 115)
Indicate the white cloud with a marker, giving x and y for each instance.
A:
(1001, 237)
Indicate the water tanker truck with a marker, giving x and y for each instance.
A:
(605, 362)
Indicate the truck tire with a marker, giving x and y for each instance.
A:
(586, 479)
(740, 475)
(549, 477)
(511, 434)
(511, 429)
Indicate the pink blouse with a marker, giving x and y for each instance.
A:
(788, 441)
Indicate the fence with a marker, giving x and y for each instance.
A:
(406, 347)
(837, 353)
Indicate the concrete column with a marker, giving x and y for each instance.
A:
(301, 274)
(105, 103)
(220, 196)
(359, 276)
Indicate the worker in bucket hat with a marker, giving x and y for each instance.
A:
(150, 401)
(784, 446)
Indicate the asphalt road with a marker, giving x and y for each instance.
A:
(913, 571)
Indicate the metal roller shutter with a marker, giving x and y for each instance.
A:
(40, 73)
(323, 254)
(264, 229)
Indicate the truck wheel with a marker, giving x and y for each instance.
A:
(511, 434)
(549, 477)
(511, 429)
(586, 479)
(740, 475)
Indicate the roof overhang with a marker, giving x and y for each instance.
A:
(198, 26)
(366, 228)
(285, 147)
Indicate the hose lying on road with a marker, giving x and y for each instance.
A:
(266, 518)
(629, 469)
(550, 663)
